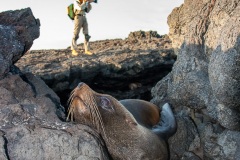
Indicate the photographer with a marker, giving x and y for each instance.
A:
(81, 7)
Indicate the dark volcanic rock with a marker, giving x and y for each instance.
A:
(205, 80)
(25, 24)
(18, 29)
(141, 35)
(123, 68)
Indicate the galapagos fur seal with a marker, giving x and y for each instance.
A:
(128, 134)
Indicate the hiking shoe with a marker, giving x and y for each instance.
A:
(74, 53)
(88, 53)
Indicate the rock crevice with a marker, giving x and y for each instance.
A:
(5, 141)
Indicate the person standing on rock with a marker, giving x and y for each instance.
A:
(81, 7)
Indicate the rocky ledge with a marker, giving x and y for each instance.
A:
(122, 68)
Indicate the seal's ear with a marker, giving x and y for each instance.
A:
(106, 104)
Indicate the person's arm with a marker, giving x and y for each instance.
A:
(88, 5)
(79, 6)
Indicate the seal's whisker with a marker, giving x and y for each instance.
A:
(69, 113)
(95, 116)
(97, 119)
(70, 110)
(70, 102)
(72, 114)
(71, 106)
(92, 111)
(72, 94)
(99, 116)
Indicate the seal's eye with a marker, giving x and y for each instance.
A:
(106, 104)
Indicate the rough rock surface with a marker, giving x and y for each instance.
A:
(31, 117)
(20, 28)
(205, 81)
(32, 124)
(122, 68)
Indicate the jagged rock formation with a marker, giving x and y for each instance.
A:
(21, 28)
(31, 117)
(122, 68)
(204, 85)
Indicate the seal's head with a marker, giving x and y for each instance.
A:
(100, 111)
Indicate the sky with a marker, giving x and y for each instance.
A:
(108, 19)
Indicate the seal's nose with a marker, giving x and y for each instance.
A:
(80, 84)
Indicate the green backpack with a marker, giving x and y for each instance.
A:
(70, 11)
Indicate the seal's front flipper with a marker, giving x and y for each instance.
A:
(167, 126)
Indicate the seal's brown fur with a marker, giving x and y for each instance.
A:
(146, 113)
(124, 136)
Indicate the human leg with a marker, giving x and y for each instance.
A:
(87, 37)
(78, 21)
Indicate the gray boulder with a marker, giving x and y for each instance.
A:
(205, 81)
